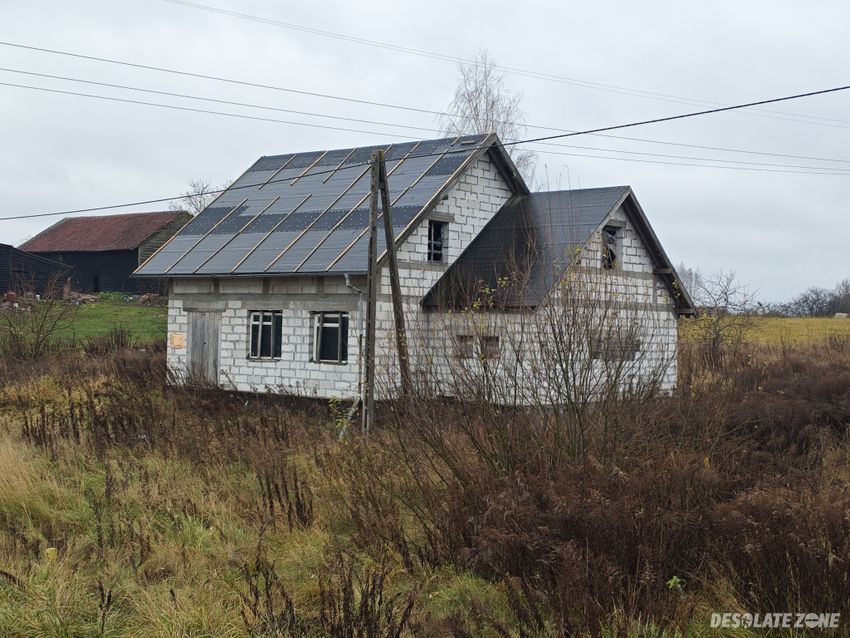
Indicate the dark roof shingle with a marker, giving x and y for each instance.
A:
(524, 250)
(536, 236)
(96, 234)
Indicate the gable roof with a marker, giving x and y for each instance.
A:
(97, 234)
(538, 235)
(308, 213)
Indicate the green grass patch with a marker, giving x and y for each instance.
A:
(146, 323)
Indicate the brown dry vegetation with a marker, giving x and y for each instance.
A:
(130, 508)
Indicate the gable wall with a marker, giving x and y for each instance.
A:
(632, 292)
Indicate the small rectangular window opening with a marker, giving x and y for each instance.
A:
(464, 346)
(266, 334)
(436, 237)
(330, 338)
(488, 347)
(610, 247)
(616, 346)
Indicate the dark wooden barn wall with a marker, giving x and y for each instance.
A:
(22, 272)
(105, 271)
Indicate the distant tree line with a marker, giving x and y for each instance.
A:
(713, 292)
(814, 302)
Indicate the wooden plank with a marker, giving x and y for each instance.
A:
(204, 328)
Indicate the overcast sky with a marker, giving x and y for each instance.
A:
(780, 229)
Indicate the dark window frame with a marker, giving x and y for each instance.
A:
(436, 240)
(340, 322)
(258, 320)
(611, 247)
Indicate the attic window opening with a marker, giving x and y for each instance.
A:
(330, 341)
(611, 242)
(266, 334)
(436, 239)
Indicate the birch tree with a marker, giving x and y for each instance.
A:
(483, 104)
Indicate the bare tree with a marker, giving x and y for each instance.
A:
(36, 325)
(691, 278)
(483, 104)
(197, 197)
(726, 316)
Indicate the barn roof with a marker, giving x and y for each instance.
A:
(539, 235)
(96, 234)
(308, 213)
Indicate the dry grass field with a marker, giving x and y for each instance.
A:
(131, 508)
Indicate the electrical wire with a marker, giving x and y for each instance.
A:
(613, 88)
(388, 105)
(196, 110)
(394, 125)
(449, 152)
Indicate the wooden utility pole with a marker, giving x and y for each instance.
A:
(368, 414)
(395, 286)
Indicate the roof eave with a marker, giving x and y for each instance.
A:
(681, 296)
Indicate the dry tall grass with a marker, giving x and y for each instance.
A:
(130, 508)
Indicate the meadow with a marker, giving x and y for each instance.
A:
(145, 323)
(129, 507)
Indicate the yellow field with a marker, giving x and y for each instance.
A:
(776, 330)
(789, 330)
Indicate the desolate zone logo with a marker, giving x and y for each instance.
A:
(786, 620)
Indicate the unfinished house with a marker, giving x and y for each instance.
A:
(266, 284)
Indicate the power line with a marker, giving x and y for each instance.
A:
(395, 125)
(723, 149)
(814, 171)
(671, 118)
(260, 85)
(204, 76)
(666, 97)
(374, 103)
(214, 100)
(449, 152)
(207, 111)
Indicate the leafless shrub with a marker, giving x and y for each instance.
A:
(355, 604)
(352, 602)
(726, 317)
(35, 326)
(539, 379)
(116, 338)
(287, 492)
(267, 608)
